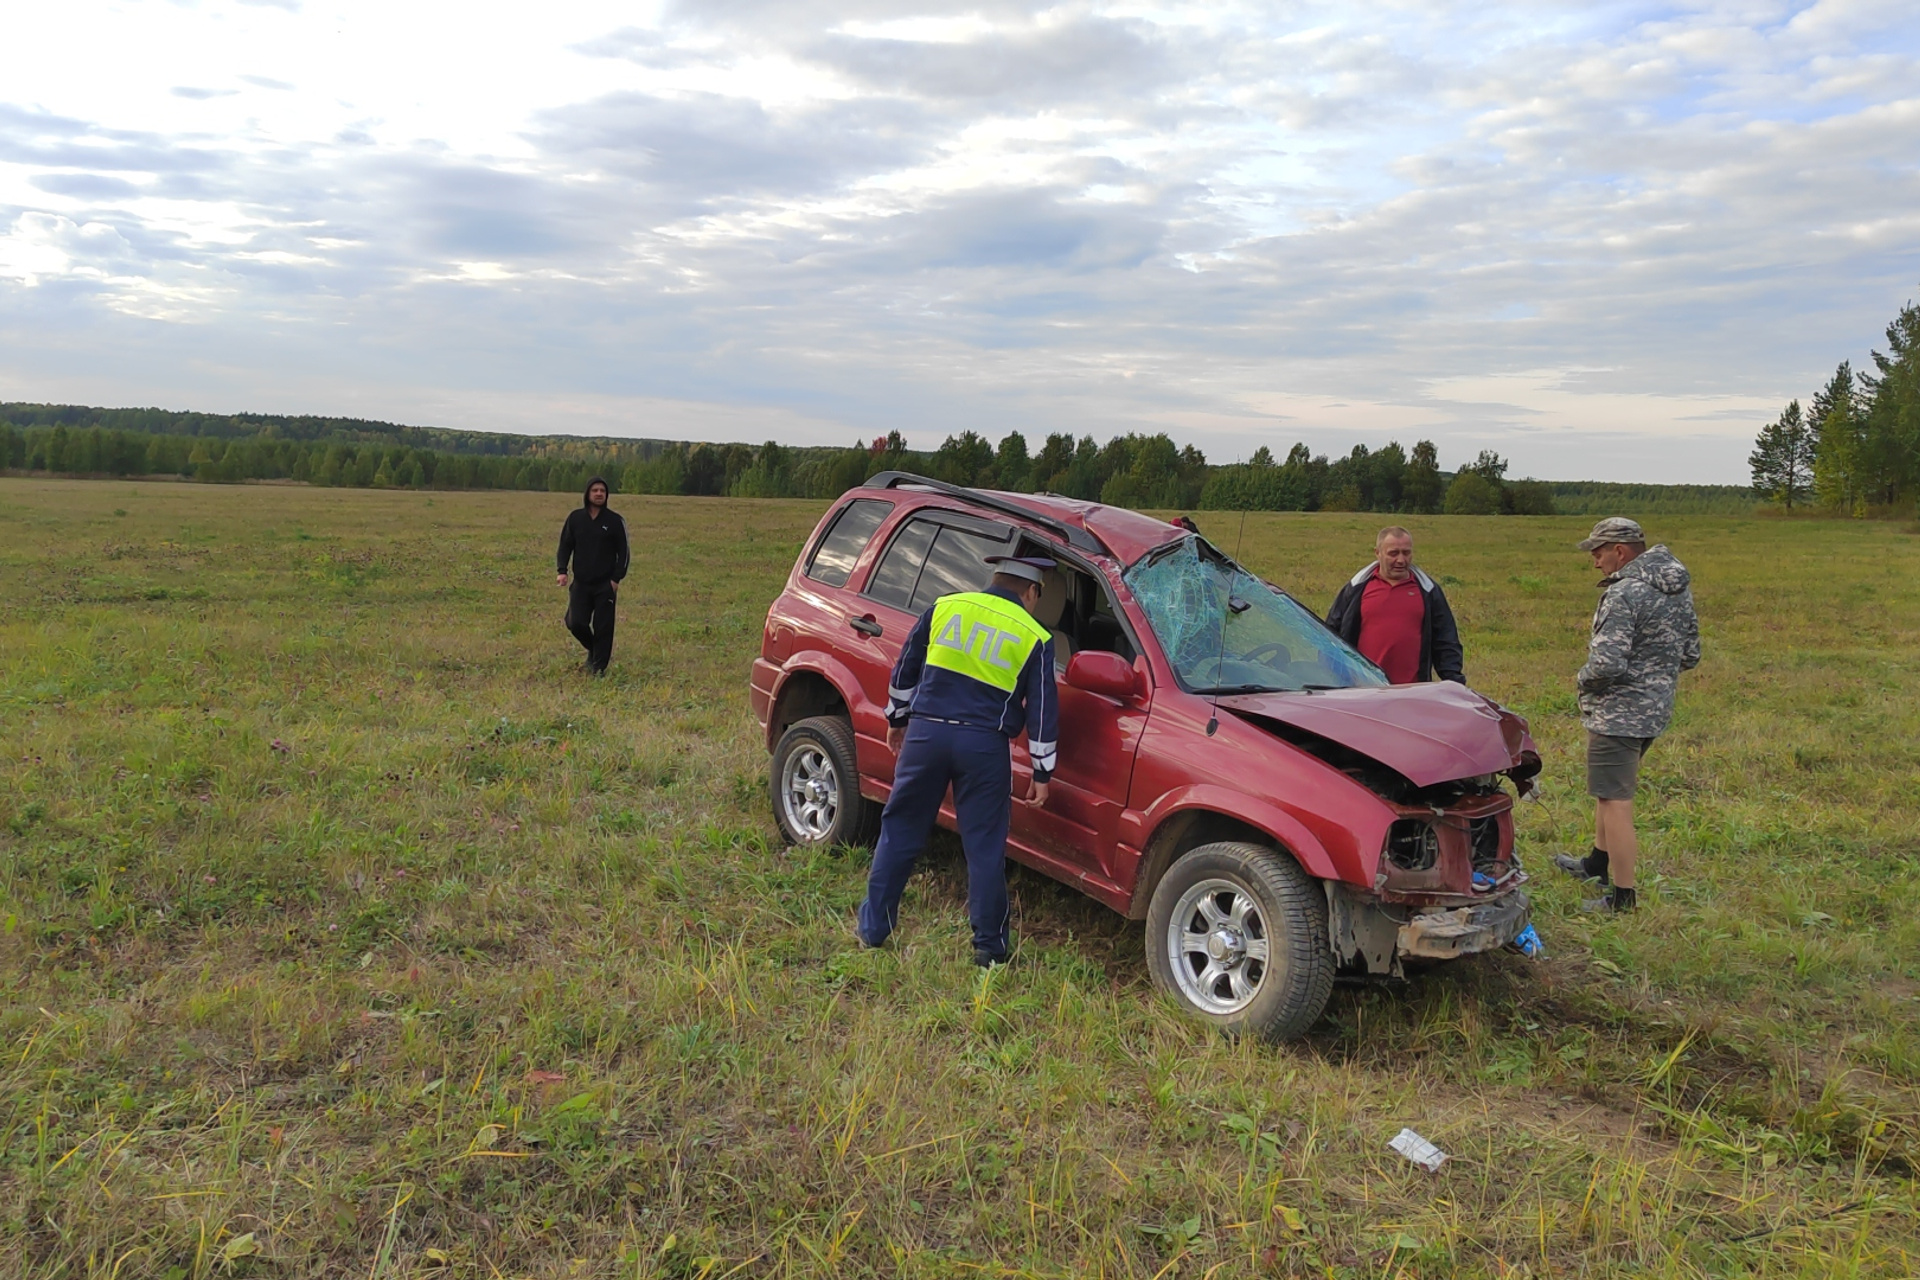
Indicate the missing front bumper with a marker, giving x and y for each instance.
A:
(1464, 931)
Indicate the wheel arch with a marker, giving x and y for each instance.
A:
(808, 690)
(1202, 820)
(855, 819)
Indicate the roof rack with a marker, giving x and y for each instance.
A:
(1077, 538)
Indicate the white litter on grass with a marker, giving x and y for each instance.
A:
(1419, 1150)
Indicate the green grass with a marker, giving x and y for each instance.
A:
(346, 930)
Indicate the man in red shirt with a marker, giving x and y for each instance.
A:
(1398, 617)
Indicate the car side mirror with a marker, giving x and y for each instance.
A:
(1107, 674)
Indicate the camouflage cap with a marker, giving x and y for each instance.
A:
(1613, 529)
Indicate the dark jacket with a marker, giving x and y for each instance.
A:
(597, 547)
(1439, 639)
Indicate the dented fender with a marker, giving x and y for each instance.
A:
(1525, 770)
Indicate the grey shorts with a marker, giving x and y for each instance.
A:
(1613, 765)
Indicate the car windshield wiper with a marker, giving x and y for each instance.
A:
(1242, 688)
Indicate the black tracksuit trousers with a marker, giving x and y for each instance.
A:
(590, 618)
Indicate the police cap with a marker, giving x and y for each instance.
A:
(1032, 568)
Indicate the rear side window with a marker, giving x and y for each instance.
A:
(899, 569)
(958, 562)
(839, 551)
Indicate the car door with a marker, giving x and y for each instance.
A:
(1099, 740)
(929, 554)
(843, 625)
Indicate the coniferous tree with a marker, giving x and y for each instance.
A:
(1839, 444)
(1780, 459)
(1893, 416)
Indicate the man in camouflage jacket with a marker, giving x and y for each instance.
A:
(1644, 635)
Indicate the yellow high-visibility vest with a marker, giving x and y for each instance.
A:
(984, 638)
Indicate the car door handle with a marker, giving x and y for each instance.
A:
(866, 626)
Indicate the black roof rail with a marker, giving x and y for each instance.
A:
(1079, 539)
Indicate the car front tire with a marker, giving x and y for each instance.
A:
(815, 781)
(1237, 933)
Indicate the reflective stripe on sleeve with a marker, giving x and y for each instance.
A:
(1043, 754)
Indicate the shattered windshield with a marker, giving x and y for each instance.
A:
(1226, 631)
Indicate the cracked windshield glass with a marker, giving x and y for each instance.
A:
(1190, 591)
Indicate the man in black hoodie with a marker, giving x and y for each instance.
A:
(595, 539)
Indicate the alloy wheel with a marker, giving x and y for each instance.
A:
(1217, 946)
(810, 791)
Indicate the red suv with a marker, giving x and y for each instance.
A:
(1230, 771)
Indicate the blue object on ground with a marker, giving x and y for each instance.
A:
(1528, 943)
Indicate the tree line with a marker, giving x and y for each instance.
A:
(242, 426)
(1133, 470)
(1855, 449)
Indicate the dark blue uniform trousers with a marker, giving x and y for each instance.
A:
(976, 762)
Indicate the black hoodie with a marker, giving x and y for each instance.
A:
(597, 546)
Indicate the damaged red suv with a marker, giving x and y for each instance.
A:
(1230, 771)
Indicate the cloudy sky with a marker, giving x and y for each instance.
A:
(1605, 239)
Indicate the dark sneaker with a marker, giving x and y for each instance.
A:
(1581, 868)
(987, 960)
(1615, 899)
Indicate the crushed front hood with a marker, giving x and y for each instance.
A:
(1427, 733)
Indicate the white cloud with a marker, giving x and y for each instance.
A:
(42, 246)
(1596, 238)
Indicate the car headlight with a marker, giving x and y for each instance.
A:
(1413, 845)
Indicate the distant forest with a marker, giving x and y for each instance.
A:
(1129, 470)
(1855, 449)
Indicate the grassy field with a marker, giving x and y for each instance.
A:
(347, 931)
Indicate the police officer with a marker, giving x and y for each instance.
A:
(977, 670)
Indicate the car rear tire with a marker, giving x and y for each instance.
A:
(1237, 933)
(816, 786)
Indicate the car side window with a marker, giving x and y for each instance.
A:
(957, 562)
(1078, 609)
(833, 560)
(1102, 629)
(894, 577)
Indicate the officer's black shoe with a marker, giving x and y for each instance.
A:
(987, 960)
